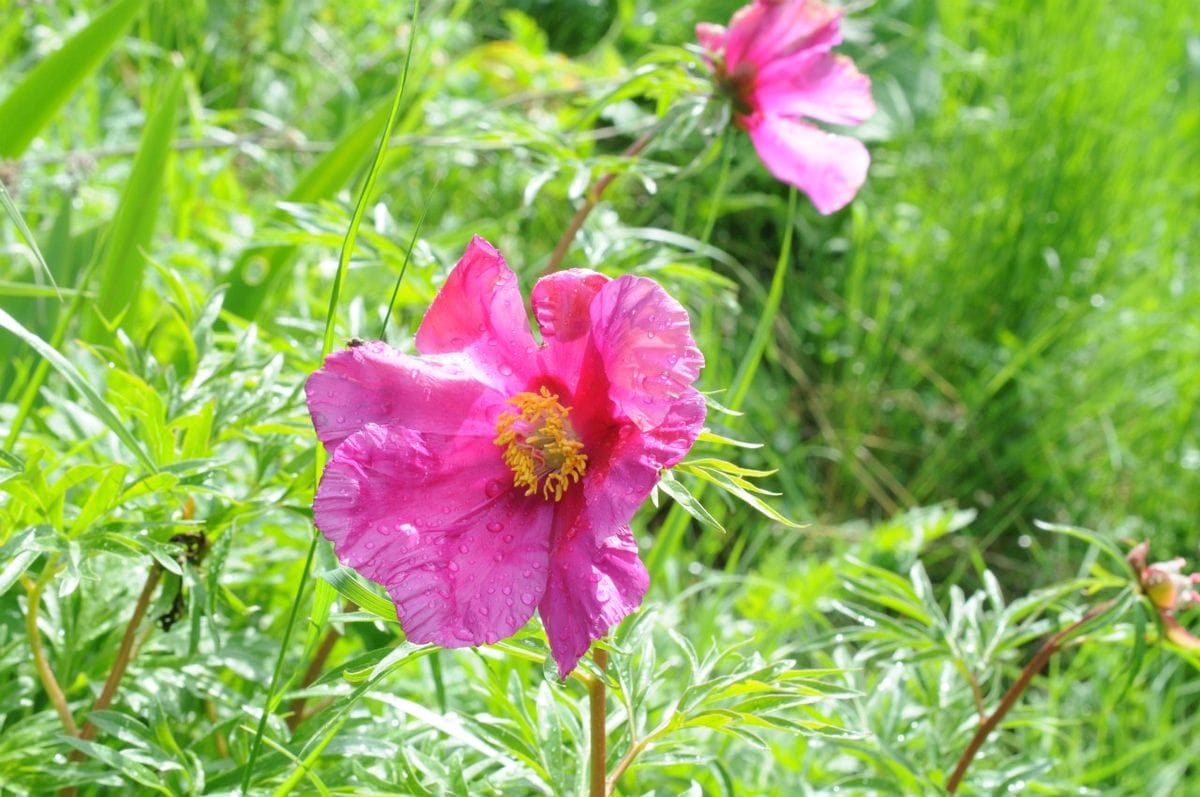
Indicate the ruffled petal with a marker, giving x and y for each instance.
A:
(479, 312)
(561, 305)
(436, 520)
(644, 340)
(374, 383)
(818, 86)
(828, 168)
(770, 29)
(669, 442)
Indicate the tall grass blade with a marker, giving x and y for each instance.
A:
(47, 87)
(122, 263)
(360, 208)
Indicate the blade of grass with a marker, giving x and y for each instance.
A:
(47, 87)
(15, 214)
(122, 264)
(326, 347)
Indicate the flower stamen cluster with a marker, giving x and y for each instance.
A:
(540, 445)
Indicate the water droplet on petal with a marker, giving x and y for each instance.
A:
(508, 538)
(463, 549)
(495, 527)
(453, 567)
(527, 598)
(498, 557)
(494, 488)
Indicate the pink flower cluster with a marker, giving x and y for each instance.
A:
(775, 62)
(491, 475)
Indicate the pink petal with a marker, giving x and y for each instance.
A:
(436, 520)
(374, 383)
(818, 86)
(770, 29)
(711, 37)
(561, 305)
(644, 340)
(669, 442)
(828, 168)
(596, 579)
(561, 300)
(479, 311)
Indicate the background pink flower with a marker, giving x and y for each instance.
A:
(491, 475)
(775, 61)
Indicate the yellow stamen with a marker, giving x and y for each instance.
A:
(540, 445)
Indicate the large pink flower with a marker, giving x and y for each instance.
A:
(775, 61)
(492, 475)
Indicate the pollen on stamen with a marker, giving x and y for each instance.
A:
(540, 445)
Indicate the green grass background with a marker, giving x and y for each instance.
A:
(1004, 322)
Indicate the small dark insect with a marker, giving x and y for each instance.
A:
(195, 545)
(356, 342)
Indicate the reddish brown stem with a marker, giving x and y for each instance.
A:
(589, 204)
(597, 705)
(1010, 697)
(296, 715)
(124, 655)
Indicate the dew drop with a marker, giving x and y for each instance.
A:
(505, 370)
(508, 538)
(527, 597)
(494, 488)
(453, 567)
(463, 549)
(508, 601)
(498, 557)
(507, 590)
(495, 527)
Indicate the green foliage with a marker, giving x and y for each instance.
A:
(1000, 329)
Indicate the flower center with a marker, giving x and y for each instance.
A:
(539, 444)
(738, 85)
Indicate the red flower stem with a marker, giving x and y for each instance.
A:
(124, 656)
(589, 204)
(597, 704)
(1035, 666)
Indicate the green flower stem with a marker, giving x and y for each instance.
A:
(677, 519)
(335, 293)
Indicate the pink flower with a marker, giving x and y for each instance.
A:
(490, 475)
(774, 60)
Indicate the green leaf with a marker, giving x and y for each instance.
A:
(47, 87)
(350, 585)
(123, 262)
(80, 383)
(15, 214)
(688, 502)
